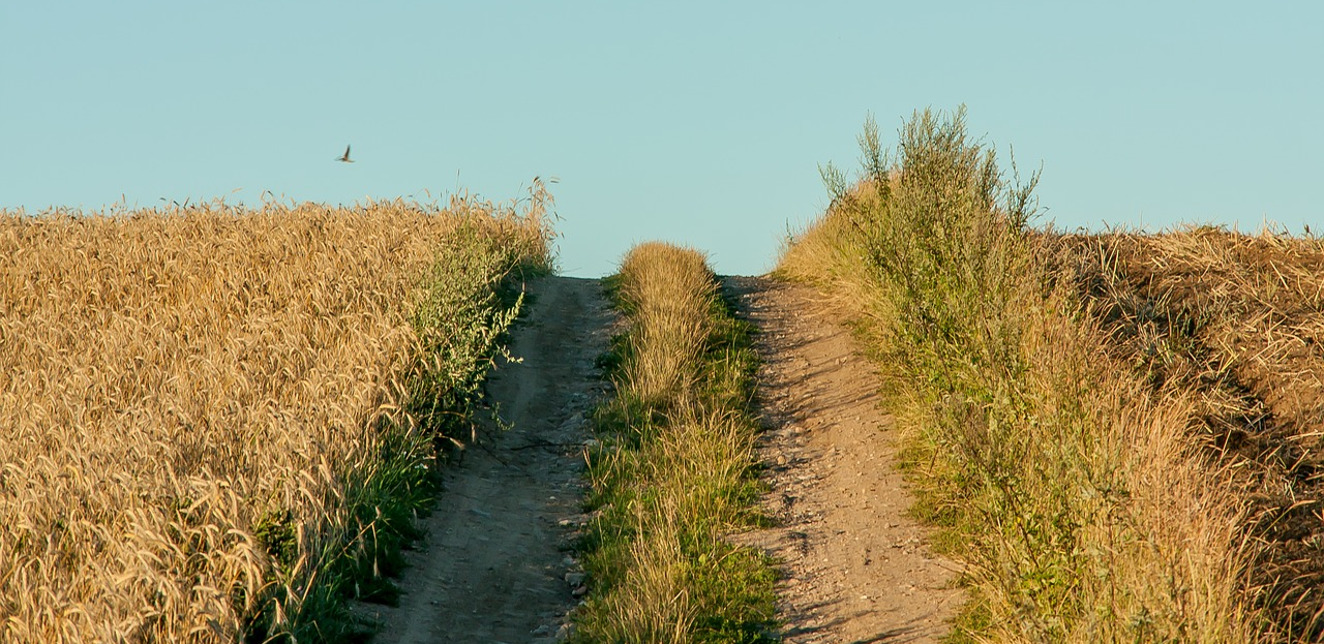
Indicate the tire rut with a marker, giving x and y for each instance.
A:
(493, 563)
(855, 564)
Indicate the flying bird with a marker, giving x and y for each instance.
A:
(345, 158)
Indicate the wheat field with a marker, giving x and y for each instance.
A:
(199, 406)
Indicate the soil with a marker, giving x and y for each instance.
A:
(496, 556)
(494, 564)
(856, 567)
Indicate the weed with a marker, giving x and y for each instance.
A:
(1083, 509)
(674, 473)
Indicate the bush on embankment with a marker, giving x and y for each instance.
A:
(217, 423)
(1078, 500)
(673, 473)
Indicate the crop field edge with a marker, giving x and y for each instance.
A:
(382, 492)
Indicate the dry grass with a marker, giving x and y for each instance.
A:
(1074, 491)
(196, 404)
(1233, 323)
(672, 477)
(669, 291)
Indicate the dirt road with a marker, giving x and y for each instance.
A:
(856, 566)
(492, 567)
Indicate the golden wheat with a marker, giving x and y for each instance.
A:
(171, 379)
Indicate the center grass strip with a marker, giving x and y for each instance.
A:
(674, 470)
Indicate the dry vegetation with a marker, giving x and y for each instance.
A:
(1233, 323)
(672, 476)
(216, 422)
(1078, 489)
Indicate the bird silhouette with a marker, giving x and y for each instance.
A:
(345, 158)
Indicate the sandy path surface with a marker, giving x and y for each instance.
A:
(492, 568)
(856, 566)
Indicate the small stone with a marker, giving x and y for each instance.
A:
(574, 579)
(574, 422)
(568, 541)
(579, 591)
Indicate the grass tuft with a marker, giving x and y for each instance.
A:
(673, 474)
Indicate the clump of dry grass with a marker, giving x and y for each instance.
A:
(1080, 500)
(204, 415)
(1233, 323)
(672, 477)
(668, 292)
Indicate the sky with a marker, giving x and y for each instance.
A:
(699, 123)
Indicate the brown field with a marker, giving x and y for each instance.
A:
(1236, 323)
(202, 409)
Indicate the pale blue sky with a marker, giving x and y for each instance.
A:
(696, 122)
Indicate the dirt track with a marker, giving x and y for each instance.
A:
(856, 566)
(492, 567)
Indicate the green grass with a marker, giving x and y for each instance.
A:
(1081, 508)
(675, 472)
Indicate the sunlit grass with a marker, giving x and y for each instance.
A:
(216, 422)
(673, 475)
(1079, 500)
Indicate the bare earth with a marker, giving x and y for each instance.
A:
(494, 564)
(856, 566)
(493, 567)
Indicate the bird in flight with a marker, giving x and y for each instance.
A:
(345, 158)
